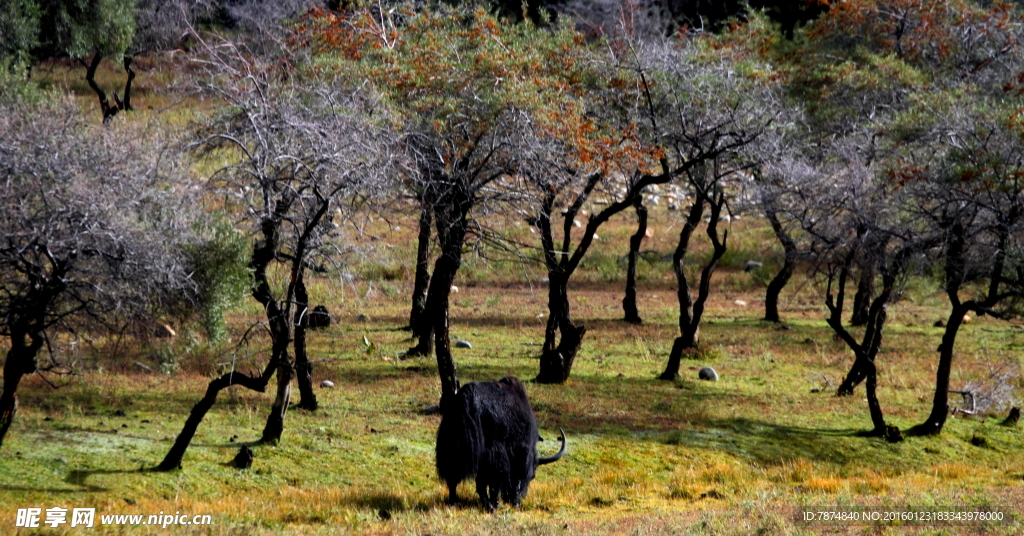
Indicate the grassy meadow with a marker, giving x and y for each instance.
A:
(737, 456)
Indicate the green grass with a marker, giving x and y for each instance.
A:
(646, 456)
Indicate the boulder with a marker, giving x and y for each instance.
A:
(708, 373)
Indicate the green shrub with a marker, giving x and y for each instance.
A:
(219, 266)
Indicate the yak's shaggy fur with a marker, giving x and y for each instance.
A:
(488, 430)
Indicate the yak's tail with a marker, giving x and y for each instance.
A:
(460, 440)
(558, 455)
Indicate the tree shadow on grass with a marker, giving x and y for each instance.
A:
(387, 504)
(78, 478)
(772, 443)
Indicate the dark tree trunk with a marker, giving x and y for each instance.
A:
(21, 361)
(174, 456)
(691, 312)
(126, 104)
(865, 293)
(303, 368)
(853, 378)
(451, 219)
(425, 295)
(417, 322)
(274, 428)
(940, 402)
(438, 311)
(108, 110)
(865, 351)
(955, 274)
(629, 308)
(771, 297)
(688, 337)
(556, 361)
(874, 408)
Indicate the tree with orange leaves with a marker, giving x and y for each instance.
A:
(469, 95)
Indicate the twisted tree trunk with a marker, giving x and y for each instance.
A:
(690, 311)
(422, 279)
(771, 297)
(303, 368)
(632, 314)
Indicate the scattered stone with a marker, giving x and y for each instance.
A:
(725, 217)
(545, 280)
(243, 460)
(143, 366)
(363, 318)
(649, 233)
(463, 344)
(939, 323)
(540, 315)
(750, 266)
(673, 207)
(967, 319)
(596, 237)
(1013, 418)
(708, 373)
(120, 413)
(740, 303)
(431, 410)
(577, 223)
(233, 438)
(327, 384)
(319, 318)
(61, 461)
(455, 289)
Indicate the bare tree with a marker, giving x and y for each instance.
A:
(301, 151)
(94, 220)
(974, 196)
(705, 117)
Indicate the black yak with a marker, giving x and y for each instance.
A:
(488, 430)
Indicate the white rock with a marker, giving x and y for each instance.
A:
(740, 303)
(708, 373)
(463, 344)
(576, 223)
(455, 289)
(327, 384)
